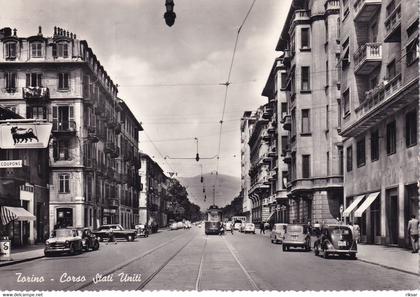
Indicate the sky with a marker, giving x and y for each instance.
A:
(170, 76)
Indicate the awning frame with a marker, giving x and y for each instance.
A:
(353, 205)
(366, 204)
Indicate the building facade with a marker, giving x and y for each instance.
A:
(153, 205)
(379, 116)
(59, 79)
(310, 45)
(247, 121)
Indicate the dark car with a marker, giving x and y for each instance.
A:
(113, 232)
(63, 240)
(89, 240)
(297, 235)
(336, 240)
(142, 230)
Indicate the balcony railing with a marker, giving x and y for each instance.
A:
(90, 164)
(367, 58)
(332, 4)
(64, 126)
(287, 157)
(265, 135)
(302, 14)
(287, 122)
(39, 93)
(393, 25)
(379, 94)
(364, 10)
(109, 147)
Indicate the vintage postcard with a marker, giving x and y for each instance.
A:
(191, 145)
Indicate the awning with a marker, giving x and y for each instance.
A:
(9, 214)
(359, 212)
(353, 205)
(270, 216)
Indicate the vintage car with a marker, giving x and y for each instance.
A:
(173, 226)
(237, 226)
(249, 228)
(228, 226)
(142, 230)
(336, 240)
(277, 233)
(113, 232)
(89, 241)
(297, 235)
(63, 240)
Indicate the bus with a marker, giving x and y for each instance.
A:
(214, 220)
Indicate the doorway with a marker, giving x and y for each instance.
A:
(392, 216)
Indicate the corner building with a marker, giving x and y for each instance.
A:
(379, 116)
(93, 174)
(311, 49)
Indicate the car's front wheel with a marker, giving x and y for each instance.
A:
(96, 245)
(326, 255)
(47, 254)
(316, 250)
(285, 248)
(71, 250)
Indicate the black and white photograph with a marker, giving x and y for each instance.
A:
(209, 145)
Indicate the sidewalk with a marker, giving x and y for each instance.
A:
(389, 257)
(24, 254)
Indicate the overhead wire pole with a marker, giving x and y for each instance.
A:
(226, 84)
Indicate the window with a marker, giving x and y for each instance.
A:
(361, 152)
(346, 102)
(349, 158)
(63, 81)
(64, 183)
(10, 50)
(328, 163)
(62, 50)
(306, 166)
(36, 112)
(61, 150)
(33, 80)
(283, 80)
(306, 126)
(374, 146)
(327, 118)
(283, 109)
(36, 50)
(305, 43)
(391, 138)
(10, 79)
(391, 69)
(341, 160)
(390, 8)
(411, 128)
(293, 126)
(327, 73)
(305, 79)
(412, 52)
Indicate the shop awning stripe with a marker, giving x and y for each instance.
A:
(353, 205)
(369, 200)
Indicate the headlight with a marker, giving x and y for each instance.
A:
(67, 243)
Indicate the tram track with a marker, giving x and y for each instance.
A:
(200, 268)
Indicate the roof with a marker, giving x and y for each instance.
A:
(126, 108)
(284, 36)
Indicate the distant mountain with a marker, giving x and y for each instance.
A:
(229, 187)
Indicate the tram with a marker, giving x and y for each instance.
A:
(214, 220)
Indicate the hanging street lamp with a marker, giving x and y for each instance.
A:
(169, 14)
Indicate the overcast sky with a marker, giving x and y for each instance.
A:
(169, 76)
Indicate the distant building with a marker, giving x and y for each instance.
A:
(379, 116)
(93, 154)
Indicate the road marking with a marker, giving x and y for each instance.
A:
(230, 248)
(200, 268)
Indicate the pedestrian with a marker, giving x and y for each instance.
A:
(356, 234)
(317, 229)
(262, 228)
(231, 229)
(413, 232)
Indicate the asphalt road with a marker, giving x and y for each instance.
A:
(190, 260)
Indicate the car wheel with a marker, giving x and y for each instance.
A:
(284, 248)
(96, 246)
(353, 256)
(111, 238)
(100, 239)
(47, 254)
(71, 251)
(326, 256)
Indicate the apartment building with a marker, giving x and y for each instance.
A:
(379, 116)
(247, 121)
(60, 79)
(274, 90)
(153, 206)
(310, 44)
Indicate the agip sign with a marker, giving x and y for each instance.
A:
(24, 135)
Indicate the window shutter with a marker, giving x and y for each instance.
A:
(6, 79)
(65, 50)
(66, 80)
(71, 113)
(28, 112)
(13, 82)
(39, 80)
(60, 80)
(54, 50)
(55, 117)
(28, 79)
(55, 150)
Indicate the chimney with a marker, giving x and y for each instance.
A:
(55, 31)
(39, 31)
(68, 35)
(74, 36)
(5, 32)
(71, 35)
(15, 32)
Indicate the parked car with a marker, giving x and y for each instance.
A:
(237, 226)
(115, 231)
(228, 226)
(63, 240)
(173, 226)
(277, 233)
(297, 236)
(187, 225)
(249, 228)
(89, 240)
(142, 230)
(336, 240)
(180, 225)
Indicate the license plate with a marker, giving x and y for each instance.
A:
(342, 243)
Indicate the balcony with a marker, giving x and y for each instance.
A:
(393, 25)
(273, 152)
(367, 58)
(90, 164)
(265, 135)
(364, 10)
(109, 147)
(272, 127)
(114, 202)
(287, 122)
(20, 175)
(117, 128)
(332, 5)
(35, 93)
(110, 172)
(287, 57)
(267, 112)
(382, 102)
(100, 110)
(272, 176)
(64, 126)
(258, 186)
(116, 152)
